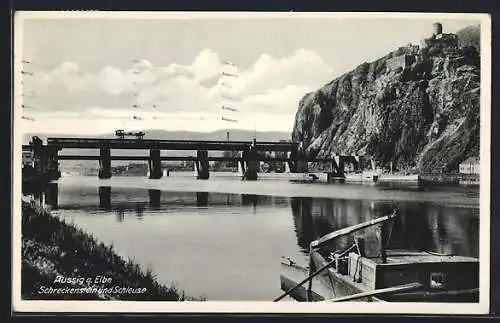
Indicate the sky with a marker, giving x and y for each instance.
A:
(91, 75)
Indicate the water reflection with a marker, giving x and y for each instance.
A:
(148, 201)
(249, 199)
(120, 214)
(42, 192)
(139, 210)
(419, 226)
(154, 199)
(105, 197)
(201, 199)
(303, 220)
(52, 194)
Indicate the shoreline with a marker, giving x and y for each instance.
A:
(62, 262)
(350, 190)
(403, 176)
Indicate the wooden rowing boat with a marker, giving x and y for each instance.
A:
(442, 278)
(393, 276)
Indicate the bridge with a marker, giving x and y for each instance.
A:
(47, 155)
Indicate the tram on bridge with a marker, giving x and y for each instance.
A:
(120, 133)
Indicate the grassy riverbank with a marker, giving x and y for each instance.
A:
(53, 251)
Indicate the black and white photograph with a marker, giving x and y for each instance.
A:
(251, 162)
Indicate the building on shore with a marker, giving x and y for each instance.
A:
(470, 166)
(27, 158)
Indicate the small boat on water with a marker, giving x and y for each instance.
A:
(370, 176)
(392, 276)
(306, 178)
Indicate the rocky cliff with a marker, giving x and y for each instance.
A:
(423, 116)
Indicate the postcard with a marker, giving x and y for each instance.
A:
(267, 162)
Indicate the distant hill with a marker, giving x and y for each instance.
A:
(234, 134)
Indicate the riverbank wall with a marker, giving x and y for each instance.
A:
(438, 178)
(61, 261)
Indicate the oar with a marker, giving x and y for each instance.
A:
(376, 292)
(351, 229)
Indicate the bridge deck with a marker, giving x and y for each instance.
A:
(89, 143)
(181, 158)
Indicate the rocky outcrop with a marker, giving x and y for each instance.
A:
(422, 117)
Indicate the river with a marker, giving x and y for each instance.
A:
(223, 238)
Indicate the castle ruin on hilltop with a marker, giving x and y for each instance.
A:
(438, 43)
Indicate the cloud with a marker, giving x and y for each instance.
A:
(206, 65)
(272, 85)
(112, 80)
(67, 77)
(301, 68)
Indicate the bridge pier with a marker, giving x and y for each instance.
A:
(292, 163)
(298, 163)
(105, 162)
(52, 162)
(46, 161)
(36, 146)
(154, 164)
(251, 159)
(252, 170)
(202, 165)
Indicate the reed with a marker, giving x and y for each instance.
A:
(51, 247)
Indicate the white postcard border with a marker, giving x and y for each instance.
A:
(255, 307)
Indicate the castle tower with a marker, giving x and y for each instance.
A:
(437, 29)
(437, 34)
